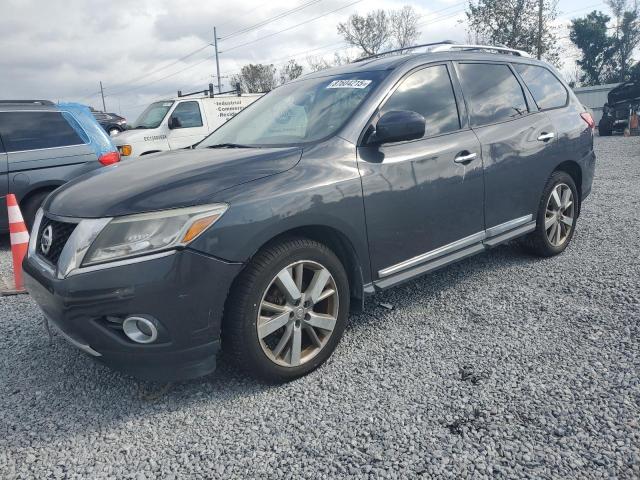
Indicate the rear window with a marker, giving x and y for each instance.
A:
(492, 92)
(547, 90)
(35, 130)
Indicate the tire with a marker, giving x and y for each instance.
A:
(271, 358)
(30, 207)
(545, 240)
(605, 128)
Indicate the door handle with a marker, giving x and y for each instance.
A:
(465, 157)
(546, 136)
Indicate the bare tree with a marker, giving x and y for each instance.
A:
(290, 71)
(317, 63)
(369, 33)
(256, 78)
(404, 27)
(342, 59)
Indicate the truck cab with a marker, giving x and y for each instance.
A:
(178, 123)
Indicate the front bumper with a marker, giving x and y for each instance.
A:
(184, 291)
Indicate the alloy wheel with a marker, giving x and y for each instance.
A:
(298, 313)
(559, 215)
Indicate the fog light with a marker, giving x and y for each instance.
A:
(140, 329)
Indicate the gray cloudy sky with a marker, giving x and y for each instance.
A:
(62, 49)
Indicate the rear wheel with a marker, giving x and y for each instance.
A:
(605, 128)
(287, 311)
(556, 218)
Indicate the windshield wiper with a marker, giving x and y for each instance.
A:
(228, 145)
(139, 127)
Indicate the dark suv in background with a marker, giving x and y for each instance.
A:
(329, 188)
(42, 146)
(621, 101)
(112, 123)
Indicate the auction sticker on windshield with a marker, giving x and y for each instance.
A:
(349, 84)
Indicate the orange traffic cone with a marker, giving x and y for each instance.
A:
(19, 245)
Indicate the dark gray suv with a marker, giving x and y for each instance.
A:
(330, 188)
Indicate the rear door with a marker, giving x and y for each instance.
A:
(516, 138)
(3, 188)
(423, 200)
(186, 125)
(573, 140)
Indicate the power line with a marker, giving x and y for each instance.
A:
(289, 28)
(152, 72)
(262, 23)
(158, 79)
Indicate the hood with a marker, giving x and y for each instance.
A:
(132, 136)
(179, 178)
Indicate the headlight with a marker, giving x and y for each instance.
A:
(141, 234)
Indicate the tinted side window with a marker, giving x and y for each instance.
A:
(187, 114)
(35, 130)
(492, 92)
(428, 92)
(547, 90)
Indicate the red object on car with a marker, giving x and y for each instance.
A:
(586, 116)
(109, 158)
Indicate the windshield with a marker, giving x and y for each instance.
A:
(298, 112)
(152, 115)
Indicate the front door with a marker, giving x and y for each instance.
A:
(186, 125)
(423, 198)
(516, 139)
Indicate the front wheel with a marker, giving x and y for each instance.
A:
(556, 217)
(287, 311)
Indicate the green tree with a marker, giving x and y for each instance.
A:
(626, 35)
(256, 78)
(514, 23)
(590, 35)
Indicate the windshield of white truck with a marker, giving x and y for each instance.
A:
(152, 115)
(298, 112)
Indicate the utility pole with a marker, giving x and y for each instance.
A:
(215, 44)
(540, 5)
(104, 108)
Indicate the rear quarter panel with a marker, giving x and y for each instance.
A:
(574, 141)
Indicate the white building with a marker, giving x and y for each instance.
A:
(594, 97)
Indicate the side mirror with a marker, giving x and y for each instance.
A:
(174, 123)
(399, 126)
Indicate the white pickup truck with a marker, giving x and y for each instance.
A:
(178, 123)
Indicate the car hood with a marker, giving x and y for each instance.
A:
(179, 178)
(133, 136)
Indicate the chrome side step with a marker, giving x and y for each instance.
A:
(454, 251)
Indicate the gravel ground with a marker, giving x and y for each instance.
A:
(501, 366)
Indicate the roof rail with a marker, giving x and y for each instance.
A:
(489, 48)
(26, 102)
(370, 57)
